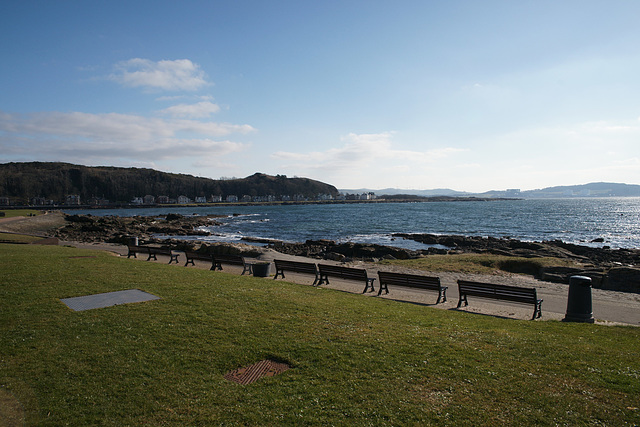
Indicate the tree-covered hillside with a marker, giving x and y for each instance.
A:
(55, 181)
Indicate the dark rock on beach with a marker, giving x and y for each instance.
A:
(149, 230)
(512, 247)
(329, 249)
(113, 229)
(622, 279)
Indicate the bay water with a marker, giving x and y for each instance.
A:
(596, 222)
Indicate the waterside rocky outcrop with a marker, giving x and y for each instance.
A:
(115, 229)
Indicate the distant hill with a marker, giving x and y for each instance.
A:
(594, 189)
(19, 182)
(398, 191)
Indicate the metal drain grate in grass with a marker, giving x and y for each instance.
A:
(108, 299)
(251, 374)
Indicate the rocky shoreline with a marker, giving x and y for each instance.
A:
(615, 269)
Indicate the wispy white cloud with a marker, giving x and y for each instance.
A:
(85, 138)
(179, 74)
(110, 126)
(356, 150)
(199, 110)
(363, 151)
(193, 97)
(208, 163)
(373, 161)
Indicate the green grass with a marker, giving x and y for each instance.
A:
(481, 263)
(355, 360)
(9, 213)
(18, 238)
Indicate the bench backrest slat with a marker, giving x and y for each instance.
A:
(489, 290)
(413, 280)
(198, 255)
(161, 251)
(343, 272)
(229, 259)
(297, 266)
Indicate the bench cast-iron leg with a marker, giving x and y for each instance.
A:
(463, 297)
(537, 313)
(383, 287)
(369, 285)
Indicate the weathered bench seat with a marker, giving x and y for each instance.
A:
(134, 250)
(296, 267)
(500, 292)
(152, 252)
(218, 260)
(192, 256)
(412, 281)
(346, 273)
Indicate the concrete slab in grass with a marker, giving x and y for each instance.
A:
(108, 299)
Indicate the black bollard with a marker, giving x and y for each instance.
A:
(579, 302)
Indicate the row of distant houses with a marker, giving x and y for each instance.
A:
(70, 200)
(184, 200)
(75, 200)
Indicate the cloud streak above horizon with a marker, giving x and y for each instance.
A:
(176, 75)
(364, 152)
(64, 136)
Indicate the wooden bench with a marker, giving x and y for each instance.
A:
(296, 267)
(500, 292)
(133, 250)
(162, 251)
(192, 256)
(218, 260)
(412, 281)
(346, 273)
(152, 252)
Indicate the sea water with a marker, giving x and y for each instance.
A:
(597, 222)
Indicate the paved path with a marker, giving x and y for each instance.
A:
(608, 306)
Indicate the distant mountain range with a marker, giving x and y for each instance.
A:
(594, 189)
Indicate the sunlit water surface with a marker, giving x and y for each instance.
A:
(580, 221)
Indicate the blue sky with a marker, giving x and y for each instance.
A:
(467, 95)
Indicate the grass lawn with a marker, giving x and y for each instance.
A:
(18, 238)
(482, 263)
(354, 360)
(10, 213)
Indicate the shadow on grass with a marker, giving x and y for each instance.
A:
(497, 316)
